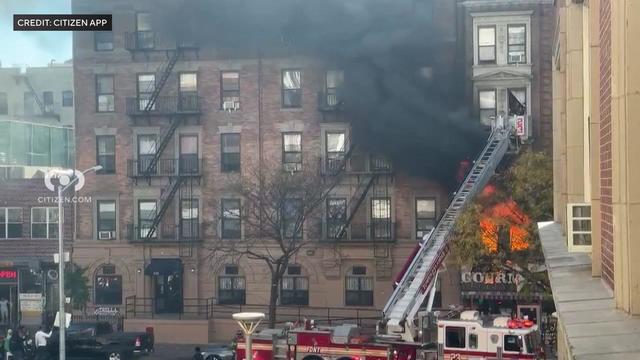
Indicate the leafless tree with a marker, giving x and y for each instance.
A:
(280, 215)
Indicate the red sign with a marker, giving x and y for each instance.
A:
(8, 274)
(520, 126)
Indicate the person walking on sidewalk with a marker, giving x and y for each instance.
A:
(41, 344)
(7, 345)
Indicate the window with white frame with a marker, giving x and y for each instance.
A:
(487, 44)
(10, 223)
(231, 286)
(579, 227)
(359, 287)
(44, 222)
(295, 287)
(487, 105)
(516, 44)
(292, 151)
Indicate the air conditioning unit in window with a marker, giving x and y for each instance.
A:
(230, 106)
(518, 59)
(106, 235)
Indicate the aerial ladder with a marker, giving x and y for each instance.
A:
(420, 275)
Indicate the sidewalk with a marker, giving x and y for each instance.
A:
(172, 352)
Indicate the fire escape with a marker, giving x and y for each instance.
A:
(178, 176)
(45, 109)
(368, 178)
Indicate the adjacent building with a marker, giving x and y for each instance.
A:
(171, 124)
(592, 248)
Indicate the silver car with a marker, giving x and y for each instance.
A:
(217, 352)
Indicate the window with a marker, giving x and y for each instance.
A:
(455, 337)
(105, 101)
(44, 223)
(67, 98)
(517, 101)
(512, 343)
(292, 151)
(189, 218)
(291, 88)
(146, 86)
(147, 147)
(231, 287)
(230, 152)
(188, 100)
(487, 101)
(29, 101)
(106, 210)
(4, 103)
(145, 38)
(359, 287)
(292, 218)
(108, 287)
(579, 227)
(188, 161)
(230, 90)
(381, 218)
(295, 287)
(103, 40)
(473, 341)
(516, 44)
(334, 80)
(10, 223)
(335, 150)
(487, 44)
(336, 217)
(146, 214)
(425, 216)
(231, 221)
(106, 153)
(47, 101)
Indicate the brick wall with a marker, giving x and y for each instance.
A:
(605, 143)
(544, 131)
(27, 194)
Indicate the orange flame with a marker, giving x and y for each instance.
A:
(509, 214)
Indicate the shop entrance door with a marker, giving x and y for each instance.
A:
(168, 294)
(8, 305)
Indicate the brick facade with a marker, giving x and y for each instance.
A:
(260, 121)
(606, 170)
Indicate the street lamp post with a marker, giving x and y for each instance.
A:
(248, 322)
(62, 316)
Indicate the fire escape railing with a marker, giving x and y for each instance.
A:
(34, 94)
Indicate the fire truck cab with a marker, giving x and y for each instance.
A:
(471, 337)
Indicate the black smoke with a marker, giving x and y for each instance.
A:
(400, 97)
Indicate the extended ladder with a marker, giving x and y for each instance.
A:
(400, 310)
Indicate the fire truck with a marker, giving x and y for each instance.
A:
(408, 330)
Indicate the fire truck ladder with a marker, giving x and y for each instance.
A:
(399, 312)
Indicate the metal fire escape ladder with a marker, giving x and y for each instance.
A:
(164, 203)
(33, 92)
(165, 138)
(399, 312)
(165, 72)
(357, 199)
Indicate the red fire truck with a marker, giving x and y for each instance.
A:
(404, 332)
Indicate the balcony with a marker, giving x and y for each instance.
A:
(356, 164)
(184, 166)
(140, 41)
(165, 233)
(374, 231)
(184, 104)
(329, 101)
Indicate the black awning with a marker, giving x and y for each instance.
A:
(163, 267)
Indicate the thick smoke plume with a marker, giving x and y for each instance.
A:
(384, 46)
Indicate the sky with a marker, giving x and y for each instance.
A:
(32, 48)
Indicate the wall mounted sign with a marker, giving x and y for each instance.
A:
(8, 276)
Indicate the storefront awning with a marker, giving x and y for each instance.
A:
(163, 267)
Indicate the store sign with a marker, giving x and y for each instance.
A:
(521, 126)
(104, 310)
(490, 281)
(8, 275)
(30, 302)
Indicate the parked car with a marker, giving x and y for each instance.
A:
(97, 340)
(218, 352)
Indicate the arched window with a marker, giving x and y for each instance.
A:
(359, 287)
(108, 286)
(294, 289)
(231, 286)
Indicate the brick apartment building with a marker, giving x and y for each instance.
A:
(212, 116)
(592, 245)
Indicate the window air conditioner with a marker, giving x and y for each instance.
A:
(519, 59)
(106, 235)
(230, 105)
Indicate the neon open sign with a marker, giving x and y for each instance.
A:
(8, 274)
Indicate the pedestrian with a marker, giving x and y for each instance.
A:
(17, 344)
(4, 310)
(7, 345)
(41, 344)
(198, 354)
